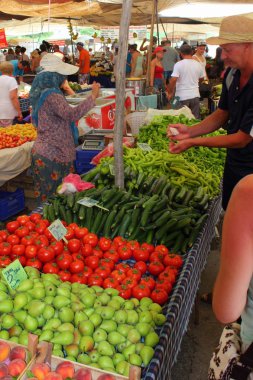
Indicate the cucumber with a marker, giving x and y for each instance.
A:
(89, 217)
(108, 223)
(69, 216)
(96, 222)
(161, 204)
(45, 211)
(70, 200)
(163, 219)
(62, 212)
(124, 225)
(115, 199)
(51, 215)
(81, 213)
(56, 205)
(135, 220)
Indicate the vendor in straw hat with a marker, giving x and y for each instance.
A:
(235, 109)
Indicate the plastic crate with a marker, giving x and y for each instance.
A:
(82, 168)
(83, 159)
(11, 203)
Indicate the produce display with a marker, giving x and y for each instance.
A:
(16, 135)
(134, 269)
(13, 359)
(85, 324)
(156, 217)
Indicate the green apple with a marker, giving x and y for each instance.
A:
(99, 335)
(86, 328)
(152, 339)
(159, 319)
(120, 316)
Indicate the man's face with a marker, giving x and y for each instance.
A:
(235, 55)
(79, 47)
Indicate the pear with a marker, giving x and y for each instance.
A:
(3, 295)
(20, 301)
(77, 306)
(104, 348)
(64, 338)
(3, 287)
(46, 335)
(49, 300)
(30, 323)
(60, 301)
(79, 317)
(128, 351)
(146, 354)
(35, 308)
(8, 321)
(50, 290)
(66, 327)
(37, 293)
(23, 338)
(20, 316)
(61, 291)
(41, 321)
(53, 278)
(4, 335)
(48, 312)
(25, 285)
(32, 272)
(52, 324)
(66, 314)
(6, 306)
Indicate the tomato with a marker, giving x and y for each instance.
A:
(12, 226)
(35, 217)
(5, 248)
(22, 260)
(76, 266)
(163, 284)
(77, 256)
(40, 227)
(31, 251)
(80, 232)
(134, 273)
(161, 248)
(91, 239)
(141, 266)
(35, 263)
(70, 233)
(13, 239)
(78, 277)
(4, 261)
(18, 249)
(159, 296)
(172, 269)
(92, 261)
(107, 263)
(64, 260)
(112, 254)
(30, 225)
(140, 291)
(4, 234)
(129, 282)
(123, 266)
(141, 254)
(110, 282)
(118, 275)
(104, 243)
(167, 276)
(48, 234)
(46, 254)
(97, 252)
(149, 247)
(125, 252)
(119, 240)
(156, 256)
(103, 271)
(174, 260)
(46, 222)
(1, 239)
(148, 281)
(124, 291)
(87, 271)
(86, 250)
(74, 245)
(133, 244)
(73, 226)
(64, 275)
(57, 247)
(22, 231)
(23, 219)
(27, 240)
(41, 241)
(155, 268)
(94, 279)
(50, 268)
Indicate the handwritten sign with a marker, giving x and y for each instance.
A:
(14, 274)
(89, 202)
(145, 147)
(58, 230)
(111, 168)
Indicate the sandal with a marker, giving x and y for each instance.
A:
(207, 298)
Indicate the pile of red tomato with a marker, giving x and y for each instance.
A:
(136, 270)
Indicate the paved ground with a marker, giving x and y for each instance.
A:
(200, 340)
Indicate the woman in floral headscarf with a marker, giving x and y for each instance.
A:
(53, 152)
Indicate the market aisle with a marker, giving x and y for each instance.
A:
(199, 341)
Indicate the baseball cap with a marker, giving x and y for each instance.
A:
(50, 62)
(159, 49)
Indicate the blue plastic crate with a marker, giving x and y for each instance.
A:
(82, 168)
(11, 203)
(85, 155)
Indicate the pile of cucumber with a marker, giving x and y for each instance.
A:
(162, 217)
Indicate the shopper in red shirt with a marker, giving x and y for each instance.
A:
(83, 63)
(157, 72)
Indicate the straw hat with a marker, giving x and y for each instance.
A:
(50, 62)
(234, 30)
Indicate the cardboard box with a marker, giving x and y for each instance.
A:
(102, 116)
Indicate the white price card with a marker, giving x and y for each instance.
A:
(14, 274)
(58, 230)
(145, 147)
(89, 202)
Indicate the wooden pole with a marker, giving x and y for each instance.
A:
(151, 43)
(120, 92)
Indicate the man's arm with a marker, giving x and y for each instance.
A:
(142, 47)
(171, 87)
(15, 102)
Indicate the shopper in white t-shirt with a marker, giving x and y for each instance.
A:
(9, 104)
(185, 79)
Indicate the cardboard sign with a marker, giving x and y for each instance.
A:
(14, 274)
(58, 230)
(145, 147)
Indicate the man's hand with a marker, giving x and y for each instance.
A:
(183, 132)
(20, 116)
(180, 147)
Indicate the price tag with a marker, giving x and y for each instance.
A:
(14, 274)
(89, 202)
(112, 171)
(58, 230)
(145, 147)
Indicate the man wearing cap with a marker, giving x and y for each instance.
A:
(83, 63)
(235, 109)
(184, 82)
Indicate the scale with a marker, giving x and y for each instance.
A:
(93, 145)
(94, 140)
